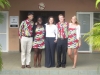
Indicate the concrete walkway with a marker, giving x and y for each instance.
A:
(87, 65)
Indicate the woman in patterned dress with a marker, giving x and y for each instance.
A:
(74, 41)
(38, 42)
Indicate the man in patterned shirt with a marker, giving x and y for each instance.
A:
(25, 35)
(62, 27)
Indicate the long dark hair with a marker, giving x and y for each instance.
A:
(49, 19)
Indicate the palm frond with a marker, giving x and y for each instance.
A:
(4, 4)
(97, 2)
(93, 37)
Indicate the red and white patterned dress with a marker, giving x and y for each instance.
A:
(72, 38)
(39, 38)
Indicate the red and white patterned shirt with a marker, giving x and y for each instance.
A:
(26, 28)
(62, 30)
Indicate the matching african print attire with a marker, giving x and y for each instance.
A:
(62, 30)
(72, 38)
(26, 28)
(39, 38)
(25, 35)
(62, 43)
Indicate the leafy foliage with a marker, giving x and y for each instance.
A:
(1, 63)
(4, 3)
(94, 37)
(1, 17)
(97, 2)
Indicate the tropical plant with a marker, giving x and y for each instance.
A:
(3, 4)
(94, 34)
(97, 2)
(94, 37)
(1, 63)
(1, 17)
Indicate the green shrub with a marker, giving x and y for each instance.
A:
(1, 63)
(3, 4)
(93, 38)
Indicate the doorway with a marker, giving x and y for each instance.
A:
(43, 14)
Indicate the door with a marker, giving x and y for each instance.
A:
(96, 19)
(4, 32)
(85, 20)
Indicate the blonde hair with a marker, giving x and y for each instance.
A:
(77, 23)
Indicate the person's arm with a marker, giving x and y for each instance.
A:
(44, 31)
(79, 35)
(20, 29)
(34, 28)
(68, 26)
(56, 33)
(45, 24)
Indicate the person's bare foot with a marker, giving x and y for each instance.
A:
(39, 65)
(73, 67)
(35, 65)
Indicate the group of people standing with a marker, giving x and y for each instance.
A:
(63, 36)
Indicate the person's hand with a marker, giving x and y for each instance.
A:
(20, 37)
(55, 41)
(36, 23)
(79, 44)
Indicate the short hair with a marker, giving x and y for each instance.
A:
(30, 13)
(61, 15)
(49, 19)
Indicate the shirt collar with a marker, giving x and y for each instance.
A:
(28, 20)
(62, 23)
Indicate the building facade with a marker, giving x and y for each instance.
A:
(85, 11)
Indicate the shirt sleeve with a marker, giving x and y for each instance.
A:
(20, 29)
(78, 32)
(45, 24)
(56, 32)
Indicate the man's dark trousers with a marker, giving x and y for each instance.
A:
(61, 51)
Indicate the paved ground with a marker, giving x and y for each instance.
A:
(87, 65)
